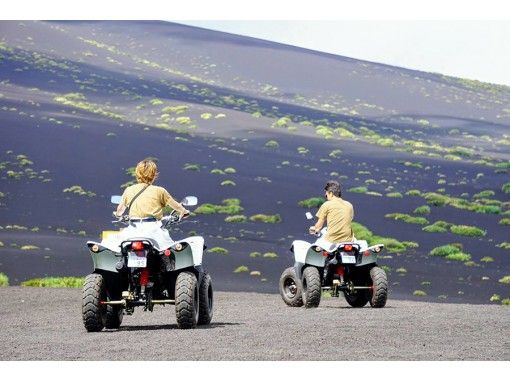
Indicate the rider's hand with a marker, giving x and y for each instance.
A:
(184, 214)
(311, 230)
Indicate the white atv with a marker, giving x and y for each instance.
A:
(350, 267)
(141, 265)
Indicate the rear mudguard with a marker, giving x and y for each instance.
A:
(191, 254)
(307, 254)
(104, 259)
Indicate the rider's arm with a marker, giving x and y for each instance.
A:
(120, 209)
(170, 201)
(318, 226)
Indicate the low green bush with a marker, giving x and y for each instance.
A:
(422, 210)
(312, 202)
(220, 250)
(407, 218)
(229, 206)
(192, 167)
(439, 226)
(505, 280)
(241, 269)
(506, 188)
(505, 221)
(255, 254)
(450, 252)
(419, 293)
(4, 280)
(266, 218)
(230, 170)
(55, 282)
(359, 189)
(228, 183)
(236, 219)
(270, 255)
(394, 195)
(467, 230)
(504, 245)
(414, 193)
(272, 144)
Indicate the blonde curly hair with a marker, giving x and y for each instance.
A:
(146, 171)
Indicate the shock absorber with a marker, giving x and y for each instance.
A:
(144, 279)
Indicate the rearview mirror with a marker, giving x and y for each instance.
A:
(309, 215)
(190, 201)
(116, 199)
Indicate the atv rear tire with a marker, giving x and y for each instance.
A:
(379, 292)
(93, 312)
(114, 315)
(205, 309)
(311, 287)
(290, 288)
(186, 300)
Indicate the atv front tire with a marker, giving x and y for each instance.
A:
(186, 300)
(290, 288)
(205, 309)
(93, 312)
(311, 287)
(379, 292)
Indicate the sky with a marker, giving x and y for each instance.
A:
(468, 49)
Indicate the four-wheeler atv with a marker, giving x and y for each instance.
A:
(350, 267)
(142, 266)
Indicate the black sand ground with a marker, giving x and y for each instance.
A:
(45, 324)
(123, 66)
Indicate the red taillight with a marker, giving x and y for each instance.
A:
(325, 253)
(137, 245)
(144, 276)
(347, 247)
(168, 252)
(366, 253)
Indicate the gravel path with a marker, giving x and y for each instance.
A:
(46, 324)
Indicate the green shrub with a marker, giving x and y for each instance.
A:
(241, 269)
(270, 255)
(29, 247)
(505, 221)
(506, 188)
(272, 144)
(229, 170)
(175, 109)
(487, 259)
(335, 153)
(183, 120)
(505, 301)
(419, 293)
(219, 250)
(505, 280)
(192, 167)
(495, 298)
(450, 252)
(156, 102)
(76, 189)
(4, 280)
(394, 195)
(229, 206)
(255, 254)
(504, 245)
(228, 183)
(266, 218)
(206, 116)
(439, 226)
(401, 270)
(407, 218)
(484, 194)
(302, 150)
(414, 193)
(55, 282)
(312, 202)
(359, 189)
(217, 171)
(467, 230)
(236, 219)
(422, 210)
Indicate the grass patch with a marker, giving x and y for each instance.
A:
(219, 250)
(270, 255)
(272, 144)
(228, 183)
(506, 188)
(192, 167)
(467, 230)
(241, 269)
(217, 171)
(505, 221)
(422, 210)
(335, 153)
(487, 259)
(175, 109)
(266, 218)
(391, 245)
(394, 195)
(451, 252)
(359, 189)
(419, 293)
(79, 101)
(312, 202)
(236, 219)
(414, 193)
(231, 206)
(4, 280)
(29, 247)
(504, 245)
(407, 218)
(76, 189)
(436, 199)
(505, 280)
(55, 282)
(255, 254)
(230, 170)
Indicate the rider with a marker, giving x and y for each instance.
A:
(150, 200)
(337, 213)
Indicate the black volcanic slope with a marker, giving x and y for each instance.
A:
(82, 102)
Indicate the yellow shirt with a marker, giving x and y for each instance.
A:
(148, 204)
(338, 215)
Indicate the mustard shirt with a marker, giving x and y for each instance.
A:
(148, 204)
(338, 215)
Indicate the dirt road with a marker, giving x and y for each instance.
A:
(46, 324)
